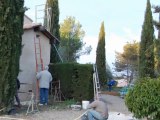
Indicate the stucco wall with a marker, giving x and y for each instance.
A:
(45, 47)
(27, 76)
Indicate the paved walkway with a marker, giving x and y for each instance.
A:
(117, 108)
(116, 104)
(120, 116)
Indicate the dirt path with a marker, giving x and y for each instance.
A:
(46, 115)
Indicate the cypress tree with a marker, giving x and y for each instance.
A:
(157, 43)
(11, 30)
(157, 57)
(101, 57)
(53, 10)
(146, 52)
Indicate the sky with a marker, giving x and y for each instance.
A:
(123, 20)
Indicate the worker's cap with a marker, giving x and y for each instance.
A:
(46, 67)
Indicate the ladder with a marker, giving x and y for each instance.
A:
(32, 105)
(58, 53)
(43, 11)
(57, 91)
(39, 61)
(39, 13)
(96, 83)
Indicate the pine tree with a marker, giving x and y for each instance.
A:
(101, 57)
(71, 44)
(53, 25)
(11, 30)
(146, 52)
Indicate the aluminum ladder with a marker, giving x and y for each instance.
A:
(96, 83)
(32, 106)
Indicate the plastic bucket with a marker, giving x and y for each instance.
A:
(85, 104)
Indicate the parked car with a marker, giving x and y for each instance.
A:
(125, 90)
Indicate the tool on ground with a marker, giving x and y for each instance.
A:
(81, 115)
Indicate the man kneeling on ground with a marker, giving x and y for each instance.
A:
(98, 110)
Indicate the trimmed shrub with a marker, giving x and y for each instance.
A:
(144, 99)
(76, 80)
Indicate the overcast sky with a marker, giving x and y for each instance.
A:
(123, 21)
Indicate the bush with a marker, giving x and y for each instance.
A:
(76, 80)
(144, 99)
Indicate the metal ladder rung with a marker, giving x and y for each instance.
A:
(96, 82)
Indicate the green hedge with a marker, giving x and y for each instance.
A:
(144, 99)
(76, 80)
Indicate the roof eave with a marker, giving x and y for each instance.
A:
(52, 38)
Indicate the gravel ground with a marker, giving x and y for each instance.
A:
(117, 111)
(46, 115)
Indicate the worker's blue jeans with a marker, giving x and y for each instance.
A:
(44, 95)
(109, 87)
(94, 115)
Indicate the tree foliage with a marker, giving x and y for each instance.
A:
(157, 43)
(146, 52)
(101, 57)
(144, 99)
(71, 44)
(157, 23)
(108, 72)
(128, 59)
(51, 22)
(52, 12)
(11, 30)
(157, 57)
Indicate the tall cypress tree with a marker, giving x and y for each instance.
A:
(101, 57)
(157, 43)
(53, 26)
(11, 30)
(146, 52)
(53, 9)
